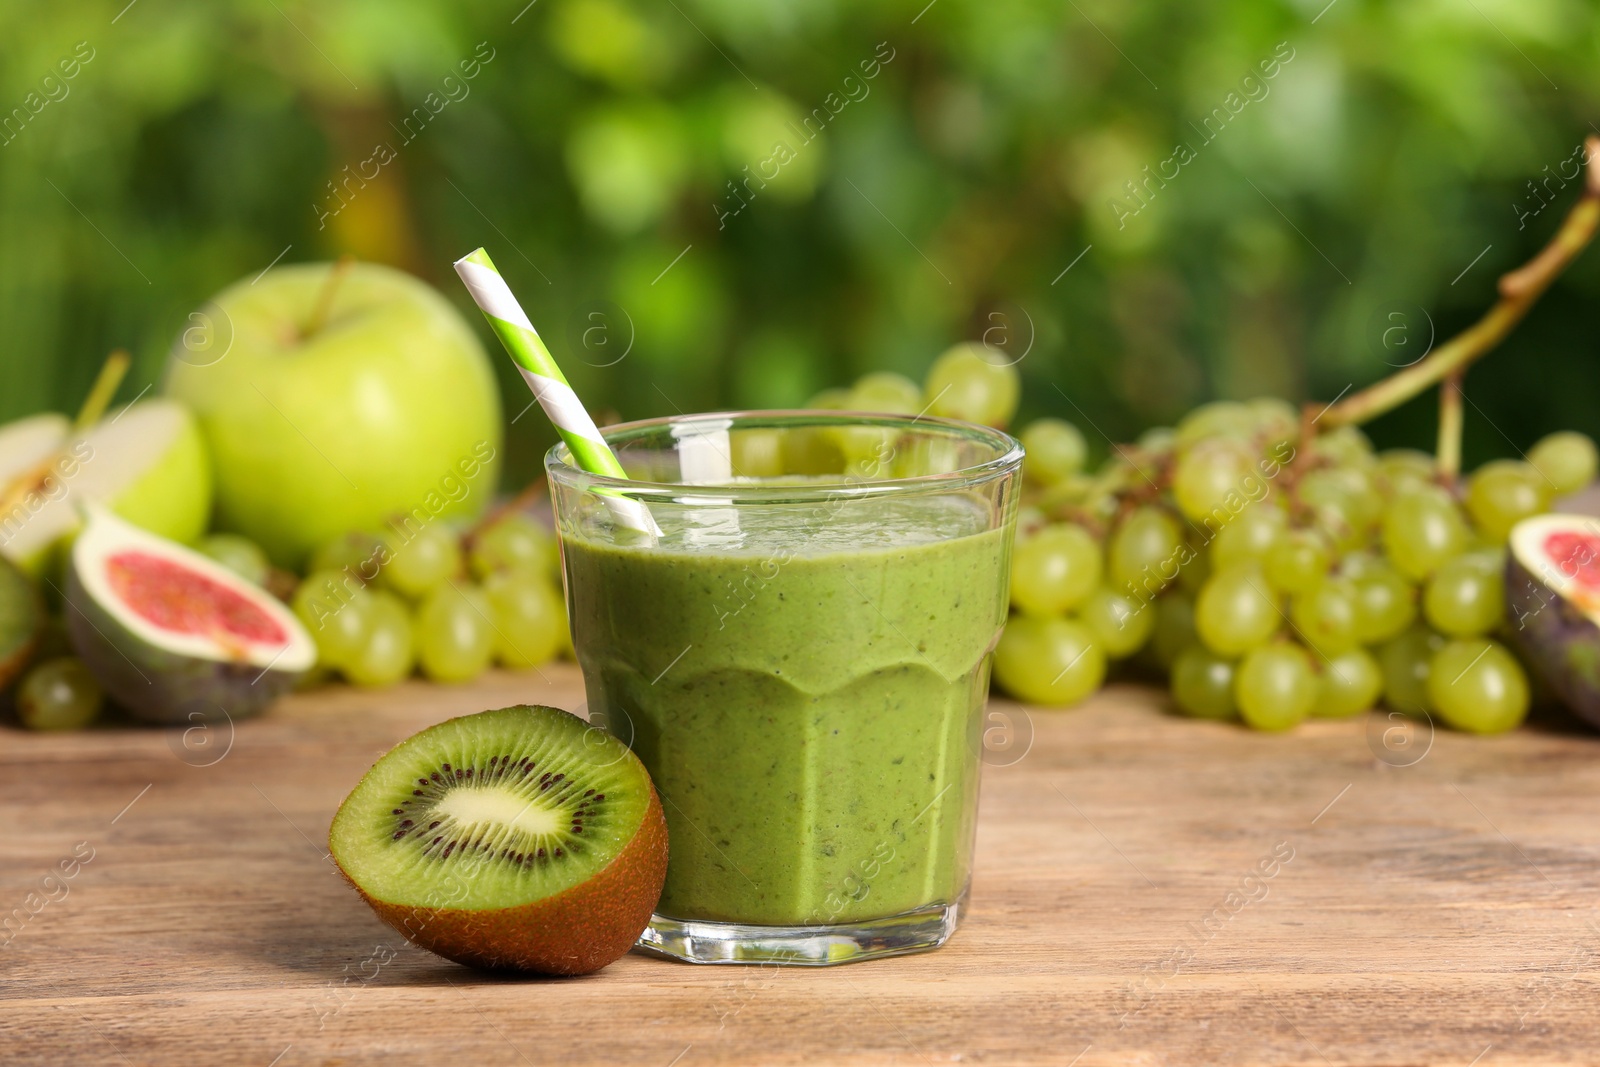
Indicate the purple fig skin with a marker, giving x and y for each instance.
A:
(1561, 643)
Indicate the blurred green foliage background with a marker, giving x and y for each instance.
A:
(1395, 164)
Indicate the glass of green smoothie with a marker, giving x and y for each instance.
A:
(801, 659)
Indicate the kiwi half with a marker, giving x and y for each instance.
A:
(519, 838)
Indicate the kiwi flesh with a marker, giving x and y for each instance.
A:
(521, 838)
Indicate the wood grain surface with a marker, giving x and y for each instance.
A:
(1149, 890)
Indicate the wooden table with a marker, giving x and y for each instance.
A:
(1434, 910)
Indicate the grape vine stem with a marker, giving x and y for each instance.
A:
(1449, 451)
(1519, 291)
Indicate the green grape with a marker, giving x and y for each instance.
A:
(1402, 470)
(239, 554)
(1385, 602)
(387, 656)
(1196, 569)
(1351, 682)
(454, 632)
(814, 451)
(1275, 686)
(1347, 446)
(1219, 418)
(1157, 439)
(337, 609)
(1490, 557)
(360, 555)
(1357, 565)
(1143, 470)
(864, 447)
(811, 451)
(1048, 661)
(754, 453)
(972, 382)
(1120, 624)
(1214, 480)
(1202, 684)
(1030, 520)
(1174, 629)
(528, 618)
(1276, 420)
(1501, 494)
(1054, 450)
(1145, 552)
(1466, 597)
(1117, 473)
(422, 564)
(1326, 616)
(59, 694)
(1567, 461)
(1236, 611)
(1298, 561)
(1410, 463)
(830, 400)
(886, 392)
(1054, 570)
(1404, 661)
(1477, 685)
(1250, 537)
(869, 452)
(517, 542)
(1102, 506)
(1361, 484)
(1330, 483)
(1083, 489)
(1338, 517)
(1344, 502)
(1421, 530)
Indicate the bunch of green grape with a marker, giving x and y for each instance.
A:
(382, 606)
(1269, 585)
(1270, 579)
(971, 382)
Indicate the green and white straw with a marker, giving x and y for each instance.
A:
(527, 350)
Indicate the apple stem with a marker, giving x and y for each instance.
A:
(330, 289)
(104, 388)
(14, 491)
(1519, 291)
(1449, 457)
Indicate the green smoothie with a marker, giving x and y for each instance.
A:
(805, 684)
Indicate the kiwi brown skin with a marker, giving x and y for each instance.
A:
(577, 931)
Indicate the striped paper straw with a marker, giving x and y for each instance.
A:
(522, 342)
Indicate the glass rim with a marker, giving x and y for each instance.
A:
(1007, 457)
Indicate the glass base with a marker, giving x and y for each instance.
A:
(701, 941)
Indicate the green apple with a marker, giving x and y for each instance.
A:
(334, 404)
(146, 462)
(26, 443)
